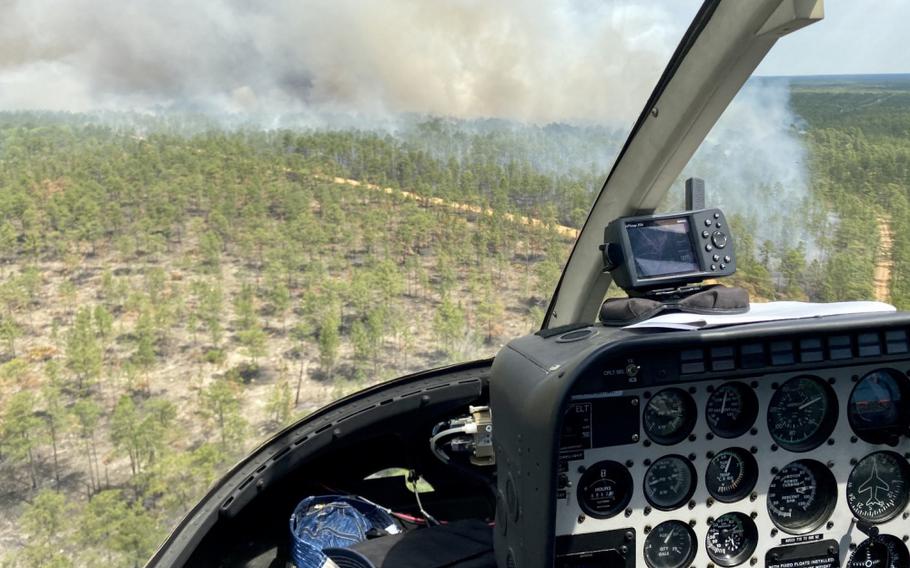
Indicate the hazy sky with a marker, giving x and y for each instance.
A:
(856, 36)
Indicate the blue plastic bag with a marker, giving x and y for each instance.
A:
(333, 521)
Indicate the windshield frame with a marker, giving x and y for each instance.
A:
(718, 53)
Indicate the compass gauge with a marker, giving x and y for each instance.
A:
(877, 489)
(880, 551)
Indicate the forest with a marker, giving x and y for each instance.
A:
(173, 291)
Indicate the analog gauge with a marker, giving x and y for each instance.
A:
(670, 482)
(732, 539)
(802, 496)
(731, 475)
(605, 489)
(671, 544)
(731, 410)
(877, 489)
(802, 414)
(669, 416)
(879, 408)
(881, 551)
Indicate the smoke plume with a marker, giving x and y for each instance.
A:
(527, 60)
(755, 163)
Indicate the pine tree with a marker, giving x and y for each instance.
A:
(180, 478)
(126, 433)
(46, 521)
(22, 432)
(222, 406)
(278, 295)
(116, 530)
(146, 340)
(210, 304)
(210, 247)
(9, 333)
(55, 420)
(8, 236)
(329, 339)
(87, 414)
(104, 323)
(279, 403)
(449, 325)
(83, 351)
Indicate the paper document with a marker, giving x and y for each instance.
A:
(771, 311)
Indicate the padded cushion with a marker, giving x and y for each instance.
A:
(716, 299)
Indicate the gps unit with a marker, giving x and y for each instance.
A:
(653, 252)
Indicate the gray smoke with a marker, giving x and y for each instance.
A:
(528, 60)
(755, 163)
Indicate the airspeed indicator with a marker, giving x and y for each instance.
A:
(802, 413)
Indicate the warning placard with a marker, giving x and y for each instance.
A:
(819, 554)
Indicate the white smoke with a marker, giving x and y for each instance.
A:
(756, 163)
(528, 60)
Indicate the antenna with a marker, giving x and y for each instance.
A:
(695, 194)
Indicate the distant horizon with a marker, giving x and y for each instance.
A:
(761, 90)
(905, 74)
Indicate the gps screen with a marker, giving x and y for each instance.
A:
(661, 247)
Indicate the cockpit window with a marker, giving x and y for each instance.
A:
(216, 218)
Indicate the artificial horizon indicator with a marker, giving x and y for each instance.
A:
(879, 406)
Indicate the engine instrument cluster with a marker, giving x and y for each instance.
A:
(786, 470)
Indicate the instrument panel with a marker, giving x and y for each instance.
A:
(790, 470)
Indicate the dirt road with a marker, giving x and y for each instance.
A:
(881, 283)
(569, 232)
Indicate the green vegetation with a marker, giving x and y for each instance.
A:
(859, 138)
(169, 300)
(171, 295)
